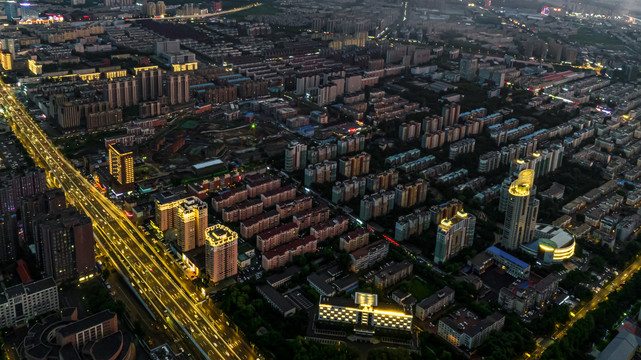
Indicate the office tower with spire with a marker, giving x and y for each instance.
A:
(521, 211)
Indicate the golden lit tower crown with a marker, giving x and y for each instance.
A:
(523, 184)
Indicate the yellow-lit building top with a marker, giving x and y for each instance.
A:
(447, 223)
(185, 66)
(523, 184)
(144, 68)
(219, 235)
(115, 73)
(89, 76)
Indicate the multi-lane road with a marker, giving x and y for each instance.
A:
(157, 278)
(591, 305)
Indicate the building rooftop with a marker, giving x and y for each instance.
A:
(498, 252)
(86, 323)
(287, 274)
(206, 164)
(468, 323)
(279, 301)
(277, 230)
(357, 254)
(282, 249)
(436, 297)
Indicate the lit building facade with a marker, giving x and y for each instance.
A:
(364, 313)
(454, 235)
(191, 223)
(552, 244)
(121, 164)
(521, 211)
(221, 252)
(167, 205)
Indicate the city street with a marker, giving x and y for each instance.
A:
(156, 278)
(593, 304)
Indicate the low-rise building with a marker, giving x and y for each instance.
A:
(464, 329)
(392, 274)
(369, 255)
(434, 303)
(277, 301)
(364, 312)
(21, 303)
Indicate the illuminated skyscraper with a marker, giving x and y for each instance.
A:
(191, 223)
(521, 211)
(454, 235)
(121, 164)
(221, 256)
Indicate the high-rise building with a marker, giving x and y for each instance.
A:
(122, 92)
(65, 245)
(15, 186)
(8, 236)
(454, 235)
(191, 223)
(150, 9)
(166, 209)
(521, 211)
(354, 165)
(295, 156)
(161, 8)
(221, 256)
(178, 88)
(469, 68)
(121, 163)
(150, 84)
(445, 211)
(450, 114)
(50, 201)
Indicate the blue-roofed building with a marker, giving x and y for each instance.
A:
(230, 76)
(200, 86)
(513, 266)
(306, 130)
(232, 81)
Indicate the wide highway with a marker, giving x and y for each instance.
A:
(156, 277)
